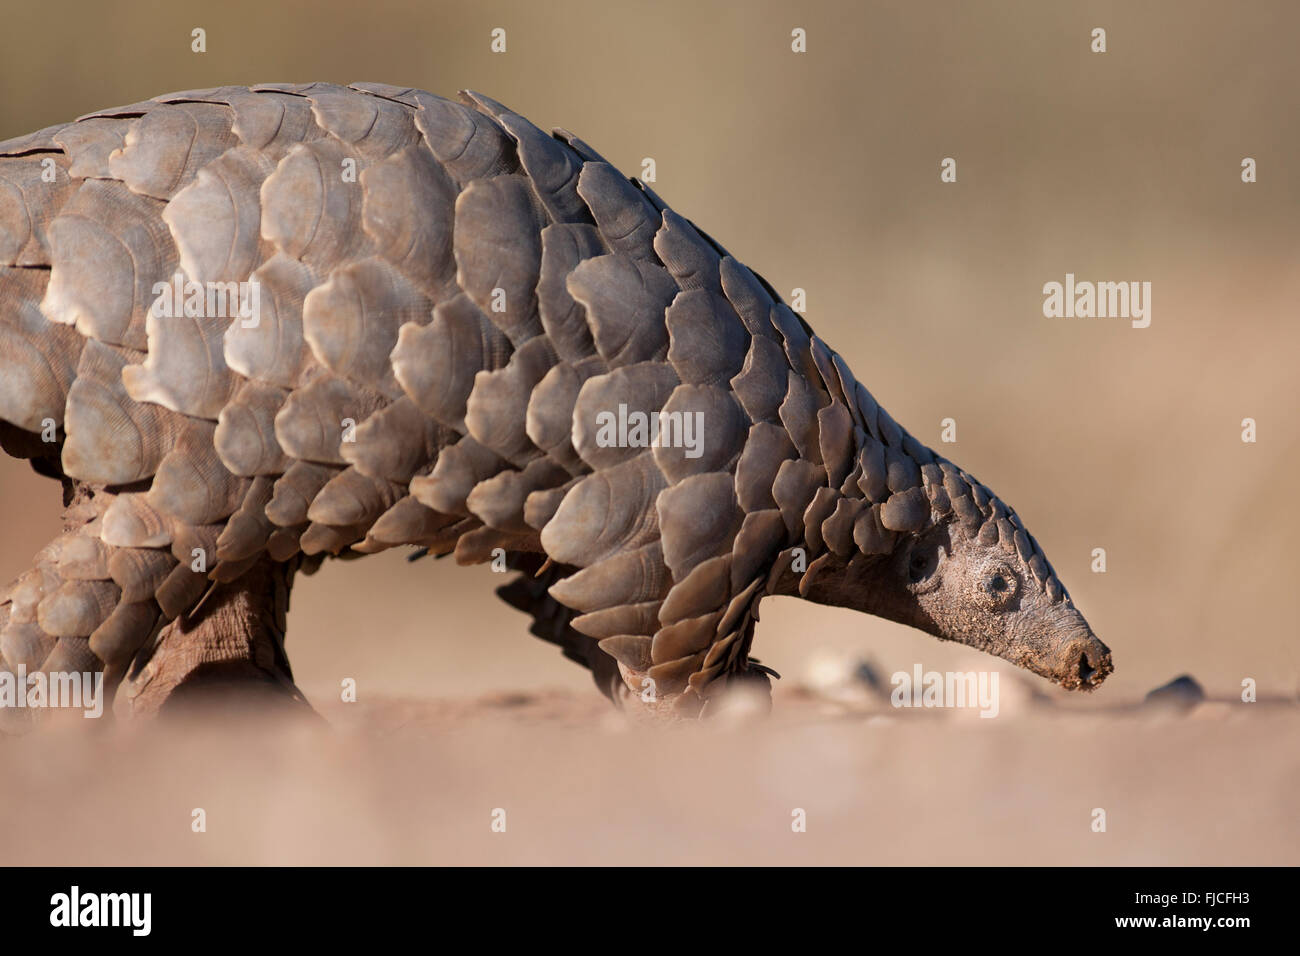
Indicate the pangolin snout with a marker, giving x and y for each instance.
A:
(1082, 662)
(1060, 646)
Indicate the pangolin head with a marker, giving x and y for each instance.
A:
(974, 575)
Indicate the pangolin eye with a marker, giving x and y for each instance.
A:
(999, 585)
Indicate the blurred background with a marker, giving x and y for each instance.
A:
(821, 170)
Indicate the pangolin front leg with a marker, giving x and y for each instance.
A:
(304, 320)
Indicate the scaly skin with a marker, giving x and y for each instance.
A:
(451, 301)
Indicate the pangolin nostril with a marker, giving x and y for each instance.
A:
(1086, 670)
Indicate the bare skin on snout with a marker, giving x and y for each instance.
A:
(948, 583)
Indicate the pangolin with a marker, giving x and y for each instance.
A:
(472, 337)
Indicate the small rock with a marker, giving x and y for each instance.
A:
(844, 680)
(1181, 693)
(867, 674)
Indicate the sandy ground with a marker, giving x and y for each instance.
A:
(421, 781)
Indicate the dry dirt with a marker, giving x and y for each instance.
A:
(419, 781)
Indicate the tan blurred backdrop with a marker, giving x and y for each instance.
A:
(821, 171)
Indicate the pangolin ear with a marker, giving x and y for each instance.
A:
(921, 559)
